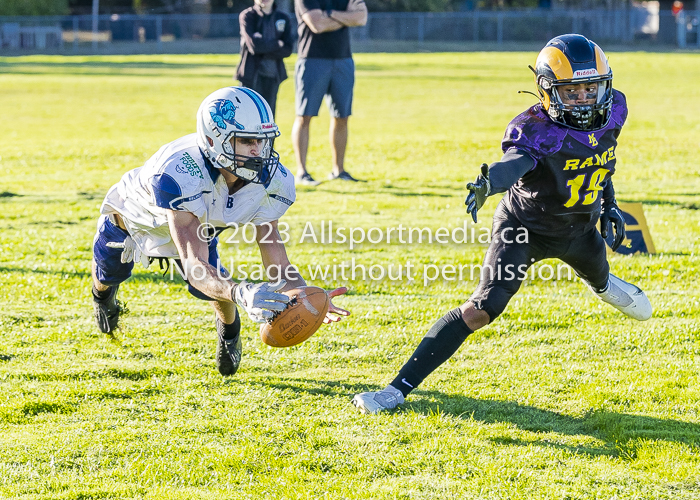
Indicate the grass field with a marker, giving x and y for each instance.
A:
(561, 398)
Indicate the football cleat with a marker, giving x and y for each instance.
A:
(107, 310)
(376, 402)
(228, 355)
(626, 297)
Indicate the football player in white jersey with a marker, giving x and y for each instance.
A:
(173, 207)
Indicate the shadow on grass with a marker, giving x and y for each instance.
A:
(114, 68)
(154, 276)
(311, 386)
(384, 191)
(619, 431)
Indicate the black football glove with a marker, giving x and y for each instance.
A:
(478, 191)
(610, 213)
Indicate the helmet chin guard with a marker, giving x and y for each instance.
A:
(571, 60)
(236, 113)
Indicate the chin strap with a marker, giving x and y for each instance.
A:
(223, 161)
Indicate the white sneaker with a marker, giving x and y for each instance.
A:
(627, 298)
(375, 402)
(306, 180)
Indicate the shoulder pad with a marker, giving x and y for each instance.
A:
(534, 133)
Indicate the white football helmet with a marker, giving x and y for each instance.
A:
(238, 112)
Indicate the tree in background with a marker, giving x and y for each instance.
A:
(78, 7)
(34, 7)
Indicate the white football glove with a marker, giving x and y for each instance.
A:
(260, 300)
(131, 252)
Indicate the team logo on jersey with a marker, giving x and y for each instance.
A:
(280, 24)
(592, 140)
(223, 111)
(282, 170)
(595, 160)
(189, 166)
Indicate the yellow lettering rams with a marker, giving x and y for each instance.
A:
(597, 160)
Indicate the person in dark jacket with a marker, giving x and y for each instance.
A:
(267, 38)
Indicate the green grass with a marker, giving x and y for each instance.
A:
(562, 397)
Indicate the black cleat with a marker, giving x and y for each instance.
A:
(228, 355)
(107, 310)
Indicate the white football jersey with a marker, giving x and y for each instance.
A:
(178, 177)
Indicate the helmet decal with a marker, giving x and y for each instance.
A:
(223, 111)
(262, 109)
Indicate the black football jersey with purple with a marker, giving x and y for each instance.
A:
(561, 195)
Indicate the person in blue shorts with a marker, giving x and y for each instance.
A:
(325, 68)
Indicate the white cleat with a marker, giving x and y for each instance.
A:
(627, 298)
(376, 402)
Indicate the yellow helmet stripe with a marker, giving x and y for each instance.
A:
(557, 61)
(601, 62)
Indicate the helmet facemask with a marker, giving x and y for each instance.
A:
(255, 169)
(579, 116)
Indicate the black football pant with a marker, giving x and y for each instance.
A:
(509, 257)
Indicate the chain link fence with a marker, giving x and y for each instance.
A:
(156, 33)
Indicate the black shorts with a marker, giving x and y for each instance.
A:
(510, 254)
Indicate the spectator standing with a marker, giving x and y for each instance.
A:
(325, 68)
(266, 39)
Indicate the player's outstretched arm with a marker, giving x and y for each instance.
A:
(497, 178)
(274, 256)
(276, 262)
(191, 240)
(259, 300)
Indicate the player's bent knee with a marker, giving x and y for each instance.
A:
(113, 277)
(473, 317)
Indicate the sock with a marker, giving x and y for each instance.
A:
(231, 331)
(101, 296)
(438, 345)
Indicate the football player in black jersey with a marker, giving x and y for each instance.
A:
(559, 157)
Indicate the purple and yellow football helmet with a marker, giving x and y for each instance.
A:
(574, 59)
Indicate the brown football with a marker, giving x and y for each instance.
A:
(300, 320)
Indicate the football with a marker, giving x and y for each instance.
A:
(300, 320)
